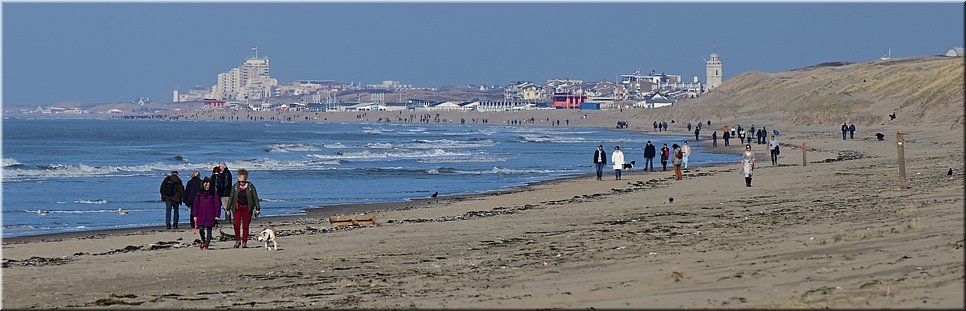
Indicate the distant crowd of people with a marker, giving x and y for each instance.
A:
(678, 155)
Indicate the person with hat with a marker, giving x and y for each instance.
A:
(172, 192)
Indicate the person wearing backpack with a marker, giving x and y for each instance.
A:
(665, 154)
(190, 189)
(172, 191)
(678, 156)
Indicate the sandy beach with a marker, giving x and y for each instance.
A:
(837, 232)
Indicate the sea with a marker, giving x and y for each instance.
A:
(82, 171)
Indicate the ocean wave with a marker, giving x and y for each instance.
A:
(98, 211)
(95, 201)
(368, 155)
(10, 162)
(551, 139)
(509, 171)
(449, 143)
(155, 169)
(334, 146)
(434, 144)
(379, 146)
(375, 131)
(290, 148)
(480, 158)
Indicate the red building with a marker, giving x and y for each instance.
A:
(215, 102)
(568, 101)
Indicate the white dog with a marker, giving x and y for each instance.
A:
(269, 235)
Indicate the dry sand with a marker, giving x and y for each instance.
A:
(835, 233)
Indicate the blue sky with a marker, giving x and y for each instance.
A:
(113, 52)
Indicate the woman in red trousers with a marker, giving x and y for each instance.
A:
(244, 202)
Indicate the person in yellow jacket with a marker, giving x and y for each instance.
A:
(244, 203)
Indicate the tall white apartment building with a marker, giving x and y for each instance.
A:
(250, 81)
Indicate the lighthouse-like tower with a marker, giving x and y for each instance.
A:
(714, 72)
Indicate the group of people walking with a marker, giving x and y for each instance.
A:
(207, 198)
(850, 129)
(677, 154)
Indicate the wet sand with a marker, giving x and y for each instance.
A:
(836, 233)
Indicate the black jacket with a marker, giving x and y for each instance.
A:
(222, 182)
(649, 151)
(190, 189)
(600, 156)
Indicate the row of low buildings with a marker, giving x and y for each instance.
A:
(645, 90)
(557, 101)
(251, 82)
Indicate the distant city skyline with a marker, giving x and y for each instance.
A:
(117, 52)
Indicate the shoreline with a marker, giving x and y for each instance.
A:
(321, 213)
(356, 208)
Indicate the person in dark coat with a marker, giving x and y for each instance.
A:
(223, 186)
(665, 154)
(649, 153)
(852, 131)
(845, 130)
(190, 189)
(172, 191)
(600, 159)
(697, 132)
(726, 137)
(208, 207)
(714, 139)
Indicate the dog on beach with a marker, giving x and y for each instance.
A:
(628, 166)
(269, 235)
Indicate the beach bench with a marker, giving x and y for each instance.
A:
(353, 220)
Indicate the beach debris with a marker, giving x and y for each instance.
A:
(652, 253)
(36, 261)
(676, 275)
(224, 237)
(621, 247)
(114, 301)
(164, 245)
(353, 220)
(670, 200)
(950, 172)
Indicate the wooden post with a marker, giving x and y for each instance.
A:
(902, 161)
(804, 156)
